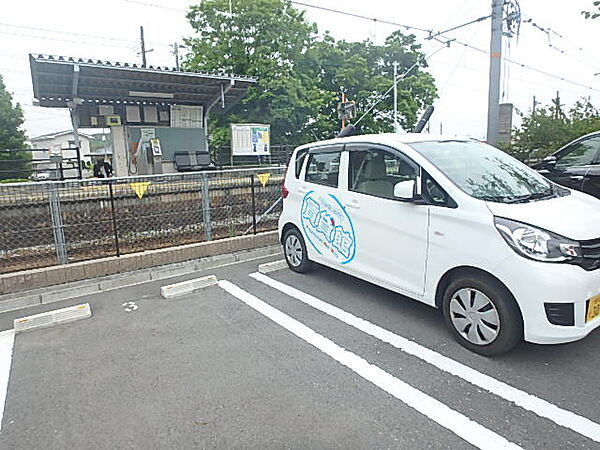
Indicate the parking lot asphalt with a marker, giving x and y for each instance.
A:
(264, 369)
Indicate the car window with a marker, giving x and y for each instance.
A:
(433, 192)
(374, 171)
(483, 171)
(581, 154)
(300, 156)
(323, 168)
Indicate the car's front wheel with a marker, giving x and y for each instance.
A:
(295, 253)
(482, 314)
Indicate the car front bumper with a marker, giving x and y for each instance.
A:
(534, 283)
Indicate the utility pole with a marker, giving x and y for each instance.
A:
(176, 54)
(395, 97)
(495, 66)
(535, 103)
(143, 46)
(343, 119)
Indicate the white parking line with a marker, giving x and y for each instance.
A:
(7, 340)
(541, 407)
(462, 426)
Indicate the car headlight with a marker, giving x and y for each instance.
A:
(535, 243)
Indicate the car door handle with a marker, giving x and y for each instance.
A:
(353, 204)
(576, 177)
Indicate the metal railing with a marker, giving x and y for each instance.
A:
(39, 164)
(56, 222)
(278, 155)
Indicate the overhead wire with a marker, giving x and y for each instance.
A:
(70, 33)
(458, 62)
(358, 16)
(549, 32)
(49, 38)
(396, 81)
(389, 22)
(401, 25)
(154, 5)
(534, 69)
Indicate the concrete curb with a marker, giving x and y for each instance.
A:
(272, 266)
(50, 318)
(15, 282)
(22, 300)
(187, 287)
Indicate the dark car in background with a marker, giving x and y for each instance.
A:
(576, 165)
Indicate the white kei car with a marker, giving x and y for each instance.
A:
(505, 253)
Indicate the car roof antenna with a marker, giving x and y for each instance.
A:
(348, 130)
(424, 119)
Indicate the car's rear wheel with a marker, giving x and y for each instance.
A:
(482, 314)
(295, 253)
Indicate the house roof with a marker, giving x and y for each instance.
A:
(56, 134)
(55, 83)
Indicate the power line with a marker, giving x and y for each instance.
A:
(525, 66)
(64, 32)
(458, 63)
(155, 5)
(479, 19)
(549, 31)
(133, 44)
(359, 16)
(401, 25)
(48, 38)
(399, 78)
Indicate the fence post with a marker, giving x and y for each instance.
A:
(79, 169)
(206, 207)
(57, 224)
(114, 217)
(253, 204)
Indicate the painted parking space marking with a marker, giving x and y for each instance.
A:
(7, 341)
(542, 408)
(130, 306)
(457, 423)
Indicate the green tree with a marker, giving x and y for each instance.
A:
(551, 127)
(595, 13)
(12, 137)
(264, 39)
(300, 76)
(364, 71)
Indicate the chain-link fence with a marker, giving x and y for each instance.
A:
(48, 223)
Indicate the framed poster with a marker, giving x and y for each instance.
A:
(250, 139)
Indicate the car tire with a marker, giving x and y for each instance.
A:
(482, 314)
(294, 250)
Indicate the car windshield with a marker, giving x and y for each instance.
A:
(485, 172)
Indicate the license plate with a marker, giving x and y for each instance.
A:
(593, 308)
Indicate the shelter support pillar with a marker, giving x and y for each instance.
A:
(119, 147)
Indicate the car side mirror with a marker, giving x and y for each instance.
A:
(549, 162)
(405, 190)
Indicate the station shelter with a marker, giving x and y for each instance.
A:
(158, 116)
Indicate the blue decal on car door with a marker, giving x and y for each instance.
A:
(328, 227)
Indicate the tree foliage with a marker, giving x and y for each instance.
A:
(550, 127)
(595, 13)
(12, 137)
(300, 75)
